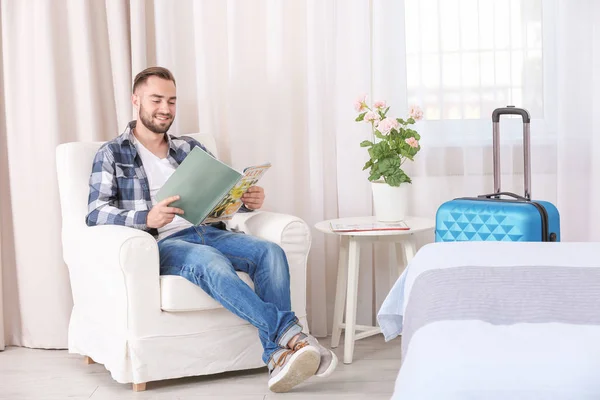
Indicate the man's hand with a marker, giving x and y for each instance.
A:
(254, 198)
(161, 214)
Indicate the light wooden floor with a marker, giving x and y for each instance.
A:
(54, 374)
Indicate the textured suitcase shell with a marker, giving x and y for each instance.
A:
(469, 219)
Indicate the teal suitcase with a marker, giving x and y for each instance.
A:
(500, 216)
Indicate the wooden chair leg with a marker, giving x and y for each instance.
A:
(139, 387)
(88, 360)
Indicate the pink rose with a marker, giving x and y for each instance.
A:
(387, 125)
(415, 113)
(371, 116)
(379, 104)
(412, 142)
(360, 103)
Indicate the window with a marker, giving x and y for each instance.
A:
(464, 58)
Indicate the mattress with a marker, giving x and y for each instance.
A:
(497, 320)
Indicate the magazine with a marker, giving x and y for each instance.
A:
(232, 202)
(209, 190)
(371, 226)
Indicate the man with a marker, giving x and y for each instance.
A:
(127, 173)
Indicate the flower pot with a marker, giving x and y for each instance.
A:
(390, 201)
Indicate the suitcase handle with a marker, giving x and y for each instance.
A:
(512, 110)
(516, 196)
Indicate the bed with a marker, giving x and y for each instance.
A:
(497, 320)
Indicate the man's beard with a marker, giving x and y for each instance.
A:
(148, 121)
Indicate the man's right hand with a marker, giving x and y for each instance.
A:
(161, 214)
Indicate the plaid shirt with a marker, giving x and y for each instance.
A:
(119, 189)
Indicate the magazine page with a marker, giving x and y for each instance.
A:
(201, 182)
(232, 202)
(372, 226)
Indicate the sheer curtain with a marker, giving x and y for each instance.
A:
(273, 81)
(578, 136)
(4, 212)
(460, 59)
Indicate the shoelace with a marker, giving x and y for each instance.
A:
(300, 344)
(283, 358)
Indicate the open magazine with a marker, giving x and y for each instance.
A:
(209, 190)
(232, 202)
(369, 226)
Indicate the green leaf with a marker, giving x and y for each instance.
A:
(390, 169)
(374, 176)
(400, 120)
(379, 135)
(401, 148)
(360, 116)
(405, 178)
(411, 120)
(377, 153)
(379, 150)
(389, 165)
(366, 143)
(368, 164)
(393, 180)
(397, 178)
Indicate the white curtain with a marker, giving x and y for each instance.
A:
(275, 81)
(271, 80)
(5, 263)
(578, 138)
(460, 59)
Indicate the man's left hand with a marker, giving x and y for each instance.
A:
(254, 197)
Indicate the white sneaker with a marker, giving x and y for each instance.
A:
(328, 361)
(294, 367)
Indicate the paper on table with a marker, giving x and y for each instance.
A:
(371, 226)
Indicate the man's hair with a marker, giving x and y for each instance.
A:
(143, 76)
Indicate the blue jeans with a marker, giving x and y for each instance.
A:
(208, 257)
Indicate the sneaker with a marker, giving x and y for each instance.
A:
(294, 367)
(328, 358)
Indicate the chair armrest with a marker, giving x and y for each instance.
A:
(294, 237)
(107, 246)
(279, 228)
(114, 270)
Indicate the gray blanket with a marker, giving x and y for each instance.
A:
(503, 296)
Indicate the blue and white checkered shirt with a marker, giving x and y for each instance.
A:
(119, 189)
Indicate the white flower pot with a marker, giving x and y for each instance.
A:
(390, 201)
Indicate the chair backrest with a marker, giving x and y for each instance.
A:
(74, 166)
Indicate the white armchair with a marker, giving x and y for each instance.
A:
(144, 327)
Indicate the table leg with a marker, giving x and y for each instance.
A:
(410, 248)
(340, 292)
(405, 251)
(351, 300)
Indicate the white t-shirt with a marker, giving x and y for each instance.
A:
(158, 170)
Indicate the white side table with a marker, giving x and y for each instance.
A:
(347, 278)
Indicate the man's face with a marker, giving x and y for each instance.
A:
(156, 104)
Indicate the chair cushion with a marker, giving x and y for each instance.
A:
(177, 294)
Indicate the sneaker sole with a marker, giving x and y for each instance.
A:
(331, 368)
(302, 365)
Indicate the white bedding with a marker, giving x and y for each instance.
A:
(497, 320)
